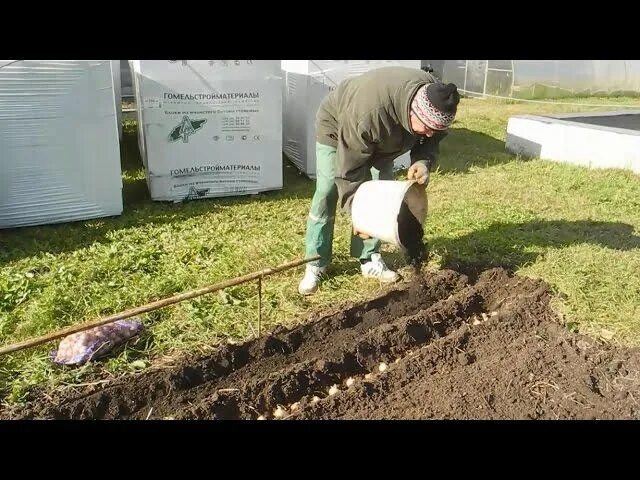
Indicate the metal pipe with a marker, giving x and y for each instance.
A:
(259, 306)
(152, 306)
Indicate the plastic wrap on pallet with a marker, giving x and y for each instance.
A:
(59, 148)
(307, 82)
(117, 88)
(209, 128)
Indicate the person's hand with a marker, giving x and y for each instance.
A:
(419, 172)
(363, 236)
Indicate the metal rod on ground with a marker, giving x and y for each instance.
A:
(152, 306)
(259, 306)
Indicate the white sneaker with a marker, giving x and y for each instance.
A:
(376, 268)
(311, 279)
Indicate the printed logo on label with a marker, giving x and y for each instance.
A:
(194, 193)
(185, 129)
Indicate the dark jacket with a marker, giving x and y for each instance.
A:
(367, 119)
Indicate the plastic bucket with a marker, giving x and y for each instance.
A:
(376, 206)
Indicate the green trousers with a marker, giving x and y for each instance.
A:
(321, 221)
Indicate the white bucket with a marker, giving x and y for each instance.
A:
(376, 205)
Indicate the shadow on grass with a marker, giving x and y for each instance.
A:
(509, 245)
(463, 149)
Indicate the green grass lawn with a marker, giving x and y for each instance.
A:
(578, 229)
